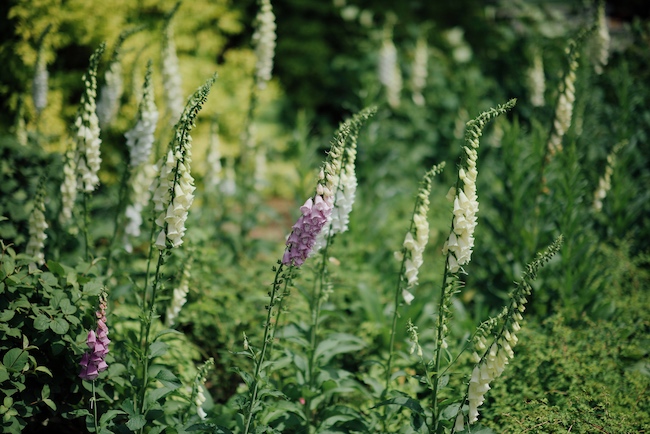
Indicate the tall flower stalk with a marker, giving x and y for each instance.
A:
(460, 243)
(39, 83)
(601, 43)
(172, 80)
(87, 154)
(491, 358)
(252, 156)
(410, 256)
(316, 215)
(419, 70)
(172, 198)
(139, 141)
(388, 69)
(605, 181)
(37, 227)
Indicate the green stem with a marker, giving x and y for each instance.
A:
(248, 164)
(148, 321)
(94, 406)
(86, 223)
(260, 361)
(440, 337)
(119, 212)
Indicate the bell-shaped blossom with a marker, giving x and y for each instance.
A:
(419, 70)
(563, 110)
(110, 94)
(602, 40)
(68, 188)
(172, 80)
(39, 84)
(179, 296)
(264, 43)
(140, 138)
(93, 362)
(314, 215)
(88, 158)
(417, 237)
(389, 72)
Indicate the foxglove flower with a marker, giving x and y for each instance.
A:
(139, 139)
(68, 188)
(264, 43)
(460, 243)
(179, 296)
(174, 188)
(39, 85)
(93, 362)
(229, 184)
(314, 215)
(496, 356)
(110, 94)
(172, 80)
(419, 70)
(37, 226)
(537, 81)
(199, 386)
(87, 157)
(389, 72)
(605, 181)
(601, 44)
(564, 108)
(417, 237)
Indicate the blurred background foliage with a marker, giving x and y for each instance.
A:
(325, 68)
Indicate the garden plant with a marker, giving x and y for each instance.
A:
(324, 217)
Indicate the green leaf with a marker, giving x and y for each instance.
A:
(60, 326)
(56, 268)
(404, 401)
(109, 415)
(49, 403)
(15, 359)
(66, 307)
(157, 349)
(165, 332)
(42, 322)
(6, 315)
(44, 370)
(136, 422)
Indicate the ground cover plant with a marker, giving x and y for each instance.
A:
(199, 234)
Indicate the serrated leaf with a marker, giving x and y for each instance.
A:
(60, 326)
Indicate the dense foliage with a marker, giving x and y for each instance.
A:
(216, 325)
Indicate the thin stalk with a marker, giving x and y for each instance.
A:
(86, 223)
(247, 161)
(148, 321)
(396, 301)
(260, 361)
(94, 407)
(119, 212)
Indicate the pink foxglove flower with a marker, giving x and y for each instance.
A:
(300, 243)
(93, 362)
